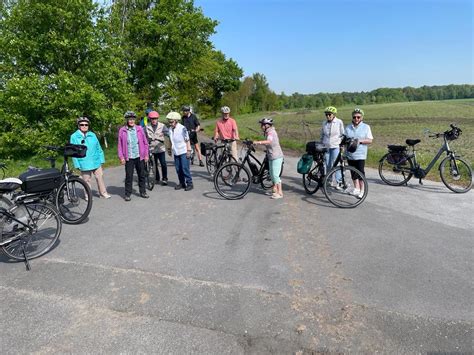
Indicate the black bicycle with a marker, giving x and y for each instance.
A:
(217, 155)
(70, 194)
(29, 226)
(338, 183)
(399, 165)
(232, 180)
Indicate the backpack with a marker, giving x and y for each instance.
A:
(304, 164)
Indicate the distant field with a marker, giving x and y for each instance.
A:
(390, 123)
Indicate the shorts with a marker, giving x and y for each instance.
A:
(359, 165)
(193, 138)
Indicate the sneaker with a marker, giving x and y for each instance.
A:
(164, 182)
(269, 193)
(127, 198)
(178, 187)
(189, 187)
(276, 196)
(201, 163)
(144, 195)
(106, 196)
(361, 194)
(355, 192)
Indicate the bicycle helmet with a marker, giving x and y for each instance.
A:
(129, 115)
(185, 108)
(358, 110)
(225, 109)
(266, 120)
(352, 144)
(330, 109)
(82, 119)
(173, 116)
(153, 114)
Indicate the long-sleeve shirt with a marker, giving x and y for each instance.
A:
(331, 133)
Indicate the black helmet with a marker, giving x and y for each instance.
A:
(129, 114)
(352, 144)
(266, 120)
(185, 108)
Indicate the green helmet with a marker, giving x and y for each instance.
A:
(330, 109)
(358, 110)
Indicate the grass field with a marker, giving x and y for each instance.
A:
(390, 123)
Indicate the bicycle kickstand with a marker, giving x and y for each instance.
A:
(27, 263)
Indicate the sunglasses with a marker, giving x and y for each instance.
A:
(328, 114)
(83, 125)
(359, 117)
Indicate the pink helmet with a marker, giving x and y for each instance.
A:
(153, 114)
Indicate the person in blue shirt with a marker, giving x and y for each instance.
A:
(92, 162)
(360, 130)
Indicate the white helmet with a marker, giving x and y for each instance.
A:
(173, 116)
(225, 109)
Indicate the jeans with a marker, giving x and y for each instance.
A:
(164, 169)
(139, 166)
(329, 159)
(182, 169)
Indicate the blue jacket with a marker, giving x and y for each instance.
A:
(95, 155)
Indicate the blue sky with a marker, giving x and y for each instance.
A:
(311, 46)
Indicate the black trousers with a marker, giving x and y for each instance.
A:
(139, 166)
(164, 169)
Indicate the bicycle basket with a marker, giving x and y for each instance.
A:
(452, 134)
(304, 164)
(206, 148)
(75, 150)
(315, 147)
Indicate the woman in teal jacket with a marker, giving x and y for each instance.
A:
(92, 162)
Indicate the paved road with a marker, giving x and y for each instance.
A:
(189, 272)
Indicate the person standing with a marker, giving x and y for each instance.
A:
(156, 132)
(331, 132)
(361, 131)
(274, 155)
(226, 128)
(133, 153)
(181, 147)
(92, 162)
(191, 122)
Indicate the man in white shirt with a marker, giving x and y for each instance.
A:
(181, 147)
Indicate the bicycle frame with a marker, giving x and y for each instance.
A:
(444, 148)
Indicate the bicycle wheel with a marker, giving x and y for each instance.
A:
(232, 181)
(314, 179)
(266, 180)
(46, 228)
(74, 200)
(150, 174)
(456, 174)
(395, 174)
(211, 163)
(344, 194)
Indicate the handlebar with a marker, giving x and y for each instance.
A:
(53, 147)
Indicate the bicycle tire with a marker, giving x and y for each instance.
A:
(150, 174)
(343, 196)
(266, 180)
(211, 163)
(457, 176)
(232, 181)
(395, 174)
(46, 231)
(71, 205)
(314, 179)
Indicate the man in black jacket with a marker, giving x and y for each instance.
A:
(191, 123)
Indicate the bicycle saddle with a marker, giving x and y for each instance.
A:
(412, 142)
(10, 184)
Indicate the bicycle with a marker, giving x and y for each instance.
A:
(70, 194)
(232, 180)
(150, 176)
(29, 227)
(214, 160)
(338, 182)
(399, 165)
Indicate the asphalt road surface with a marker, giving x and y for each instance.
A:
(190, 272)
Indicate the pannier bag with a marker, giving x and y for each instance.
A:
(40, 180)
(314, 148)
(397, 154)
(304, 164)
(75, 150)
(206, 148)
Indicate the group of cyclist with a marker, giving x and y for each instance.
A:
(136, 142)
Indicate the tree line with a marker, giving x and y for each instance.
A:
(254, 95)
